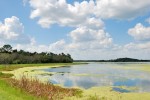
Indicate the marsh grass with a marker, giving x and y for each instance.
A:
(44, 90)
(7, 92)
(2, 75)
(11, 67)
(95, 97)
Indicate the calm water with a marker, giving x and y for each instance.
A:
(97, 74)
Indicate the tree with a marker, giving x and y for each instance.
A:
(15, 51)
(1, 50)
(7, 48)
(10, 56)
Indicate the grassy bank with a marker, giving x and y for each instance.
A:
(31, 70)
(11, 90)
(44, 90)
(7, 92)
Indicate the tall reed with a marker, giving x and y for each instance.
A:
(44, 90)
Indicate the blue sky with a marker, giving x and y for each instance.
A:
(89, 29)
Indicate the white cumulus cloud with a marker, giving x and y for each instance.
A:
(60, 12)
(122, 9)
(58, 46)
(12, 31)
(140, 32)
(139, 46)
(90, 38)
(11, 28)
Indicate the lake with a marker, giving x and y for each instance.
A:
(101, 74)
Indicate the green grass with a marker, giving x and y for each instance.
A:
(93, 97)
(8, 92)
(10, 67)
(2, 75)
(11, 92)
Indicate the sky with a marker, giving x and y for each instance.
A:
(86, 29)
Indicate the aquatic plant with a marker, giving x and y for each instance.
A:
(93, 97)
(2, 75)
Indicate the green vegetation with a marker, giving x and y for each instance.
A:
(2, 75)
(142, 67)
(10, 67)
(127, 60)
(106, 93)
(24, 89)
(44, 90)
(7, 92)
(31, 72)
(115, 60)
(10, 56)
(32, 89)
(93, 97)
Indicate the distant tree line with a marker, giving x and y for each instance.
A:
(8, 55)
(115, 60)
(127, 60)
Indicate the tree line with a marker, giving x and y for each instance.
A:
(8, 55)
(115, 60)
(128, 60)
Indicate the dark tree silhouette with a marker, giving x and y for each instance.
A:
(6, 48)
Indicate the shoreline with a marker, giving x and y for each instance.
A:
(104, 92)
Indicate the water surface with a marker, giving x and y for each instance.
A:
(101, 74)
